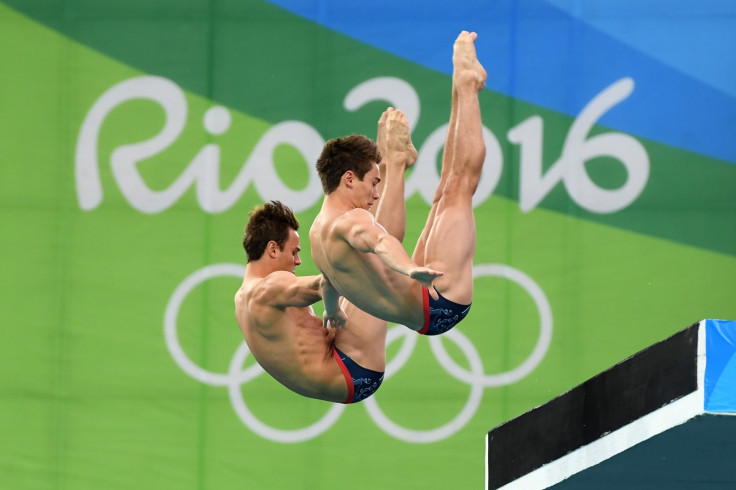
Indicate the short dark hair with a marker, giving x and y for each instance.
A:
(355, 152)
(271, 221)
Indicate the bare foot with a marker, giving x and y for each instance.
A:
(394, 138)
(466, 67)
(381, 135)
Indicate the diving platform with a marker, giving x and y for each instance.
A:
(663, 418)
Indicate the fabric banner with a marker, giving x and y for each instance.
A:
(135, 137)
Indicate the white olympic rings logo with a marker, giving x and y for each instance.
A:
(475, 377)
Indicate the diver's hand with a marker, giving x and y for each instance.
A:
(336, 320)
(425, 276)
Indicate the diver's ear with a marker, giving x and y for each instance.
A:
(348, 177)
(272, 249)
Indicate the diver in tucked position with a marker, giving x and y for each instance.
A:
(360, 259)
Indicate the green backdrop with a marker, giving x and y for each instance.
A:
(135, 138)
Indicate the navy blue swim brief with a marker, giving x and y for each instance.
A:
(440, 315)
(362, 382)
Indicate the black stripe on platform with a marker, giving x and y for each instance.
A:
(629, 390)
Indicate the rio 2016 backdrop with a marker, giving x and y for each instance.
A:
(136, 136)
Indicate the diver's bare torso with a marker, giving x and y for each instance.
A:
(290, 344)
(361, 277)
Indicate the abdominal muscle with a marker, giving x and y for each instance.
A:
(297, 352)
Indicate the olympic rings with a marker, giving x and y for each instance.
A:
(475, 377)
